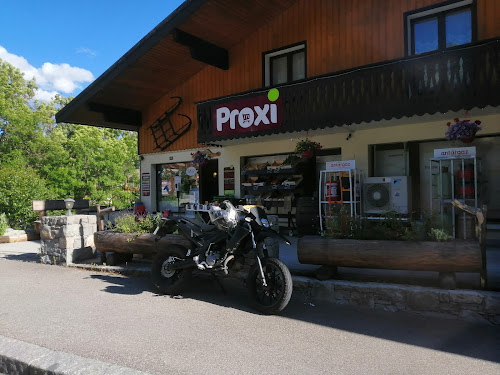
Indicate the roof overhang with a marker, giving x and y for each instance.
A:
(197, 33)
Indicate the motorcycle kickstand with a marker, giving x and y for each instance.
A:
(220, 284)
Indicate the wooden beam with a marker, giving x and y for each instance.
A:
(49, 205)
(117, 115)
(202, 50)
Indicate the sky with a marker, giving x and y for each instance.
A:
(67, 44)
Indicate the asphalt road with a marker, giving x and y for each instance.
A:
(121, 320)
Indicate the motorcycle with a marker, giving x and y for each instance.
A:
(222, 248)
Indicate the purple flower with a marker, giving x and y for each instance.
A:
(462, 129)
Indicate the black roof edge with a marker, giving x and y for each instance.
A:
(164, 28)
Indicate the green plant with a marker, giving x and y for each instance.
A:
(343, 225)
(307, 145)
(3, 224)
(130, 223)
(390, 227)
(439, 235)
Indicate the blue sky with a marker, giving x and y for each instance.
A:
(66, 44)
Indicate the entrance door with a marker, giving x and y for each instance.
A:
(209, 181)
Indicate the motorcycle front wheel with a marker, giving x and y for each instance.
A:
(166, 280)
(273, 297)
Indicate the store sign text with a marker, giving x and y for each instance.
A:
(341, 165)
(248, 115)
(455, 153)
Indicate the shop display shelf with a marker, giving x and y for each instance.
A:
(270, 171)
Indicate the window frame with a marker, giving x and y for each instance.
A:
(439, 11)
(287, 51)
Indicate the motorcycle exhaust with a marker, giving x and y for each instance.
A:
(187, 263)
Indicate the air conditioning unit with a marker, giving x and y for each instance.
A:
(383, 194)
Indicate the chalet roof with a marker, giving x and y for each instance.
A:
(197, 33)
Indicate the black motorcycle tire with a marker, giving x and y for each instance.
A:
(172, 282)
(274, 298)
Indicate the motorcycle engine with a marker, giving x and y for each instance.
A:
(212, 256)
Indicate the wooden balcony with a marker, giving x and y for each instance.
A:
(456, 79)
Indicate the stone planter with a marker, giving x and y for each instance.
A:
(67, 239)
(447, 258)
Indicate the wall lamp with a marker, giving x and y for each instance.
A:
(69, 203)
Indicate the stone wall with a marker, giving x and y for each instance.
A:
(67, 239)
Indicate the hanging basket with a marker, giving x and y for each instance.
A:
(307, 154)
(467, 139)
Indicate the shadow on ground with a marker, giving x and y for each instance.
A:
(481, 341)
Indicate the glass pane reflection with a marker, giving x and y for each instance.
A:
(458, 28)
(426, 35)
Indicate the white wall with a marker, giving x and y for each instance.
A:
(356, 147)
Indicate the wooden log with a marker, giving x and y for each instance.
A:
(100, 215)
(131, 243)
(49, 205)
(450, 256)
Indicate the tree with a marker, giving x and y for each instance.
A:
(40, 159)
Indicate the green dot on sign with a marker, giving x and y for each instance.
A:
(273, 95)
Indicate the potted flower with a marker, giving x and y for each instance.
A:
(307, 148)
(200, 158)
(464, 130)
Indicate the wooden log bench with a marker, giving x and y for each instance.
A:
(447, 258)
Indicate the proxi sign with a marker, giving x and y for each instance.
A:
(247, 115)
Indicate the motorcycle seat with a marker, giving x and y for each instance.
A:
(197, 226)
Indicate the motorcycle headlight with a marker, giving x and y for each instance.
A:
(265, 223)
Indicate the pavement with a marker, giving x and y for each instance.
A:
(413, 291)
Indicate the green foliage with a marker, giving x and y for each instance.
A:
(129, 223)
(343, 225)
(57, 161)
(19, 186)
(439, 235)
(3, 224)
(390, 227)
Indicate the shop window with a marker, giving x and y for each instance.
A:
(176, 185)
(285, 65)
(438, 27)
(390, 160)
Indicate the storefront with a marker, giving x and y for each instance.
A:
(251, 89)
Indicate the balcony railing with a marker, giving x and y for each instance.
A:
(457, 79)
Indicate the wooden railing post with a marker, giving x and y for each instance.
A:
(480, 216)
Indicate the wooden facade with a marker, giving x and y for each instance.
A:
(339, 35)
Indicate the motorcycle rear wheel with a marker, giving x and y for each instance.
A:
(168, 281)
(274, 297)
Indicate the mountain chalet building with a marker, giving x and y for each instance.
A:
(374, 82)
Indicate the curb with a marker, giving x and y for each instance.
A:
(18, 357)
(471, 305)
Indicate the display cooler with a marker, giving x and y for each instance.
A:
(450, 179)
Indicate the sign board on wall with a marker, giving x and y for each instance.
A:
(455, 153)
(340, 165)
(253, 114)
(146, 184)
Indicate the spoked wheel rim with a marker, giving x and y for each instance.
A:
(273, 292)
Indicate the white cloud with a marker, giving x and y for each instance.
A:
(51, 78)
(86, 51)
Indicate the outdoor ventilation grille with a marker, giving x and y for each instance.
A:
(383, 194)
